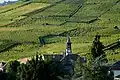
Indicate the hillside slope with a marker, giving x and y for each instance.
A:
(51, 20)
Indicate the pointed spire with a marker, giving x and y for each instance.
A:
(68, 45)
(68, 38)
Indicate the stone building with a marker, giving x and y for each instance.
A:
(67, 59)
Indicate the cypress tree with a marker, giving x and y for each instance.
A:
(97, 47)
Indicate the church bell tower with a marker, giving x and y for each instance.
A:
(68, 45)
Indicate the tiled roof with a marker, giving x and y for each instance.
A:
(61, 56)
(115, 66)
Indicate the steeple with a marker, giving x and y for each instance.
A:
(68, 45)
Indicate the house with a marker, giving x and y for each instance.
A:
(115, 68)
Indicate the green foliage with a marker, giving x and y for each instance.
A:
(97, 48)
(97, 70)
(38, 69)
(11, 69)
(45, 1)
(3, 76)
(12, 66)
(24, 0)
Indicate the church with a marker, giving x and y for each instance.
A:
(67, 58)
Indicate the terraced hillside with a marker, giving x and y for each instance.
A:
(41, 26)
